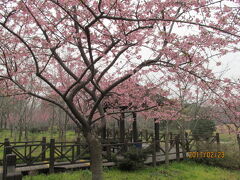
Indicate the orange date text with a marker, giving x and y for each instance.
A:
(205, 154)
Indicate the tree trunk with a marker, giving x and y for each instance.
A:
(11, 131)
(122, 128)
(135, 130)
(95, 155)
(65, 127)
(15, 134)
(26, 132)
(20, 131)
(5, 123)
(167, 144)
(103, 124)
(157, 134)
(25, 127)
(1, 121)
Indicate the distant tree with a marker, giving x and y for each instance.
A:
(202, 127)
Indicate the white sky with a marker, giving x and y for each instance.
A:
(231, 63)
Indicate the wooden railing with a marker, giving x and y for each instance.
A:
(32, 153)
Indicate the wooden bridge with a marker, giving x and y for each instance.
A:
(21, 158)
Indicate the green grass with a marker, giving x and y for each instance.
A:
(175, 171)
(70, 135)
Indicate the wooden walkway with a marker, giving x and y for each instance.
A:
(85, 164)
(42, 156)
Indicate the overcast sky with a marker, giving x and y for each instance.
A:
(232, 63)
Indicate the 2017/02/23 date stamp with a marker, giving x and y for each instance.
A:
(205, 154)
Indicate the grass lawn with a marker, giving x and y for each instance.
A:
(35, 136)
(175, 171)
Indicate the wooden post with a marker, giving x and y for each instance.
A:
(134, 127)
(44, 148)
(177, 147)
(61, 150)
(122, 128)
(170, 138)
(167, 148)
(108, 149)
(218, 141)
(25, 150)
(11, 173)
(156, 132)
(154, 153)
(51, 158)
(30, 154)
(114, 131)
(6, 142)
(125, 146)
(7, 151)
(73, 154)
(78, 148)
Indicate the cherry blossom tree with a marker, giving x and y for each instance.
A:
(227, 106)
(80, 51)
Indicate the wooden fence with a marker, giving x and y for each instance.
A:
(54, 154)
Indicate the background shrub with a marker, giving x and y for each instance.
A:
(202, 128)
(133, 159)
